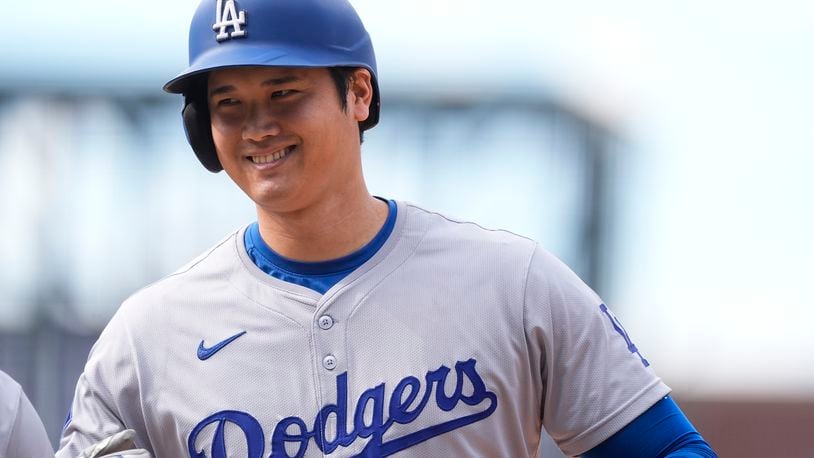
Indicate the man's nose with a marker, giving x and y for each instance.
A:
(261, 123)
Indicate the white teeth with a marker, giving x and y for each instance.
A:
(272, 157)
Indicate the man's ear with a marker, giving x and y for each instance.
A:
(360, 94)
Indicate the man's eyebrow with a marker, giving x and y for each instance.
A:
(269, 82)
(221, 90)
(281, 80)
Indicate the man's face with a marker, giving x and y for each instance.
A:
(281, 133)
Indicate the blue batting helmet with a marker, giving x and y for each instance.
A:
(268, 33)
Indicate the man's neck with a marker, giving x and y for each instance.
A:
(324, 231)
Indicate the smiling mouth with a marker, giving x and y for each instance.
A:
(274, 157)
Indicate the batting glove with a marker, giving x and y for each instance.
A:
(119, 445)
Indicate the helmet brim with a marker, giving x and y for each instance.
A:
(258, 56)
(262, 56)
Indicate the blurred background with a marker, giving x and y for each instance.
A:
(663, 150)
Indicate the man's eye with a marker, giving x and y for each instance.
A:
(228, 102)
(281, 93)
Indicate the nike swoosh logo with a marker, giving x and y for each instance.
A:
(206, 353)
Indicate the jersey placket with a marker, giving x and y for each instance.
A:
(331, 363)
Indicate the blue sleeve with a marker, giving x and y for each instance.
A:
(662, 431)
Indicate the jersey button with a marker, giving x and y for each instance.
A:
(329, 362)
(325, 322)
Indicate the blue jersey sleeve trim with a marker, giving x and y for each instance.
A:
(662, 431)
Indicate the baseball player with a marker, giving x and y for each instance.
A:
(345, 324)
(22, 434)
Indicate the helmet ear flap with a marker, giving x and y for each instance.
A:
(199, 133)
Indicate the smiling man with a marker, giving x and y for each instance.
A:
(286, 139)
(345, 324)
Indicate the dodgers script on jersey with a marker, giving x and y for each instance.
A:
(452, 340)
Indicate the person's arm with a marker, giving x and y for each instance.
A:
(662, 431)
(92, 418)
(25, 434)
(107, 393)
(593, 379)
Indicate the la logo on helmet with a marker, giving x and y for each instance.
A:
(227, 16)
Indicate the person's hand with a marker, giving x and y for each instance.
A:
(119, 445)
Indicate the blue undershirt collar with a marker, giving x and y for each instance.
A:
(318, 276)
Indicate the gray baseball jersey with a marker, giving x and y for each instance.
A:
(452, 340)
(22, 434)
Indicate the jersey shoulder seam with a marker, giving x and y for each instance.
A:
(191, 265)
(472, 223)
(525, 291)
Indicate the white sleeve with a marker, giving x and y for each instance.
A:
(593, 379)
(22, 434)
(107, 392)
